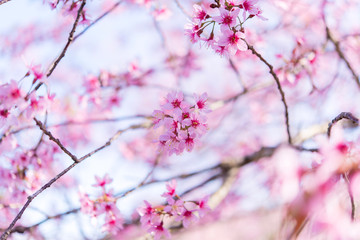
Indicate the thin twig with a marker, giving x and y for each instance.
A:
(276, 78)
(343, 115)
(70, 39)
(237, 73)
(98, 19)
(182, 8)
(62, 54)
(351, 197)
(143, 182)
(57, 141)
(23, 229)
(160, 32)
(341, 54)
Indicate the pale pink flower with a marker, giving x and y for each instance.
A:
(87, 205)
(159, 230)
(249, 6)
(203, 207)
(37, 72)
(196, 124)
(101, 182)
(227, 18)
(199, 13)
(201, 102)
(187, 217)
(161, 13)
(146, 213)
(174, 100)
(233, 41)
(171, 190)
(158, 118)
(193, 31)
(113, 224)
(175, 207)
(188, 140)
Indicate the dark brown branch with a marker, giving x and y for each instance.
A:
(70, 39)
(343, 115)
(62, 54)
(271, 70)
(351, 195)
(98, 19)
(336, 43)
(57, 141)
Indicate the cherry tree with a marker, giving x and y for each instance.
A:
(157, 119)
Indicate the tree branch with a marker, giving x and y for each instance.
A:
(271, 70)
(57, 141)
(336, 43)
(237, 73)
(62, 54)
(343, 115)
(70, 39)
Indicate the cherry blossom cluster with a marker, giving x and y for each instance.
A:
(301, 63)
(183, 65)
(16, 106)
(103, 90)
(220, 25)
(105, 204)
(185, 212)
(184, 123)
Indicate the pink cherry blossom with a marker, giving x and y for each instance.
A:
(227, 19)
(171, 190)
(158, 230)
(199, 13)
(232, 41)
(101, 182)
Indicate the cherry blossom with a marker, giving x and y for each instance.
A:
(183, 124)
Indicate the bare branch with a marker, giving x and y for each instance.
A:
(237, 73)
(343, 115)
(62, 54)
(70, 39)
(57, 141)
(336, 43)
(271, 70)
(351, 195)
(23, 229)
